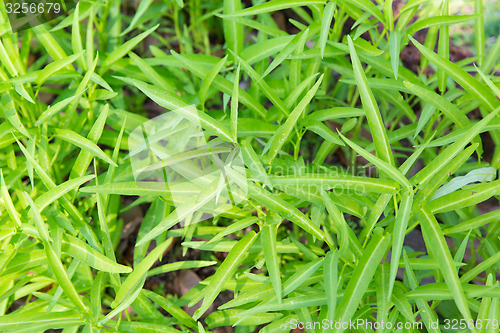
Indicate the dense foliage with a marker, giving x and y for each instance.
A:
(344, 185)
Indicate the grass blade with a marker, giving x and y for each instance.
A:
(253, 162)
(209, 78)
(273, 97)
(149, 71)
(449, 109)
(141, 10)
(233, 30)
(173, 103)
(171, 308)
(139, 273)
(434, 238)
(451, 151)
(122, 50)
(330, 273)
(57, 192)
(395, 48)
(86, 254)
(443, 47)
(362, 275)
(460, 76)
(234, 105)
(281, 136)
(438, 21)
(274, 5)
(379, 134)
(479, 31)
(400, 225)
(83, 143)
(268, 239)
(225, 271)
(326, 21)
(383, 166)
(55, 66)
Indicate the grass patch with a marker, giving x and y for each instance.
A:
(279, 150)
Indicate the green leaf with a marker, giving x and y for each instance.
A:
(209, 78)
(394, 49)
(479, 268)
(42, 229)
(83, 143)
(284, 208)
(330, 272)
(383, 166)
(49, 43)
(123, 49)
(473, 223)
(225, 271)
(10, 113)
(464, 198)
(171, 308)
(85, 157)
(40, 321)
(274, 5)
(362, 275)
(463, 78)
(326, 21)
(490, 84)
(329, 181)
(345, 236)
(141, 10)
(442, 20)
(57, 192)
(373, 116)
(367, 6)
(383, 292)
(76, 38)
(281, 136)
(55, 66)
(334, 113)
(63, 279)
(180, 265)
(291, 303)
(325, 132)
(137, 277)
(233, 31)
(234, 105)
(183, 211)
(477, 175)
(150, 72)
(221, 83)
(268, 236)
(11, 210)
(86, 254)
(449, 109)
(273, 97)
(443, 47)
(284, 53)
(427, 314)
(479, 31)
(173, 103)
(434, 238)
(56, 108)
(451, 151)
(253, 162)
(400, 226)
(232, 317)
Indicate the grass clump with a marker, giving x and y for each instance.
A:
(279, 149)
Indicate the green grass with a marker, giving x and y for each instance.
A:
(346, 158)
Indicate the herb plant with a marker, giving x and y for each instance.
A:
(348, 159)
